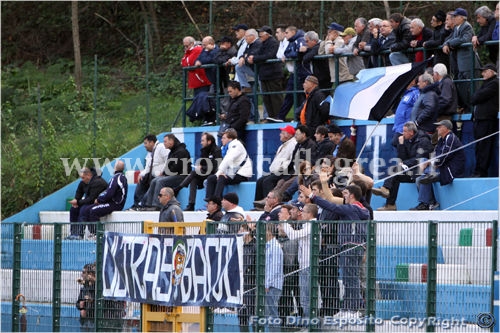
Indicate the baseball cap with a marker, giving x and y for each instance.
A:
(267, 29)
(289, 129)
(348, 31)
(214, 199)
(336, 26)
(240, 26)
(488, 66)
(459, 12)
(446, 123)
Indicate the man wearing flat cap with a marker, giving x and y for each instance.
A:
(214, 211)
(439, 34)
(485, 118)
(226, 52)
(462, 33)
(270, 74)
(315, 110)
(448, 165)
(332, 44)
(241, 45)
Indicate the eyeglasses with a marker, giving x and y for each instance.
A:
(162, 195)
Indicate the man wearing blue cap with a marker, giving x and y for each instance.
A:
(460, 57)
(332, 45)
(241, 45)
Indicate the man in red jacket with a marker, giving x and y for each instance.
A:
(197, 79)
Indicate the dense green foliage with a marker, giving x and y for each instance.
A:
(37, 64)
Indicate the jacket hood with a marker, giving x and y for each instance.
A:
(299, 34)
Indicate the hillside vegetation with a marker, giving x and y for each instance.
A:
(44, 116)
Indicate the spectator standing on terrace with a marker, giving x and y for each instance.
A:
(362, 39)
(235, 167)
(214, 209)
(241, 45)
(197, 78)
(226, 52)
(486, 20)
(419, 34)
(307, 65)
(279, 168)
(351, 238)
(273, 276)
(208, 162)
(281, 38)
(85, 303)
(401, 27)
(403, 111)
(447, 96)
(89, 188)
(425, 110)
(315, 110)
(309, 213)
(333, 44)
(177, 167)
(485, 118)
(156, 158)
(171, 208)
(245, 69)
(462, 33)
(383, 38)
(413, 146)
(448, 165)
(496, 31)
(295, 39)
(112, 199)
(439, 35)
(249, 253)
(207, 56)
(238, 111)
(355, 64)
(270, 74)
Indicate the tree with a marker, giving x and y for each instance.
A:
(76, 45)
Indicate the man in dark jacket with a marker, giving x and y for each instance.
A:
(238, 111)
(307, 65)
(425, 110)
(485, 117)
(88, 190)
(244, 69)
(447, 93)
(448, 165)
(177, 168)
(412, 147)
(324, 147)
(401, 28)
(419, 34)
(113, 199)
(208, 163)
(315, 110)
(270, 74)
(439, 34)
(214, 208)
(171, 208)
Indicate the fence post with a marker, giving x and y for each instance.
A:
(99, 311)
(314, 274)
(432, 234)
(56, 281)
(494, 269)
(16, 274)
(371, 274)
(260, 271)
(209, 319)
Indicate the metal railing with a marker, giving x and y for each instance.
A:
(424, 274)
(256, 94)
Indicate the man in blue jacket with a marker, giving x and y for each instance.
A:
(113, 199)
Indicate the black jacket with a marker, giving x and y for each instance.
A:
(210, 157)
(268, 71)
(447, 98)
(450, 166)
(238, 113)
(324, 148)
(485, 100)
(317, 112)
(403, 36)
(414, 149)
(179, 160)
(300, 153)
(87, 193)
(425, 110)
(320, 67)
(439, 34)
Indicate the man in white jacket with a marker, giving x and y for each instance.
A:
(309, 213)
(236, 165)
(279, 168)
